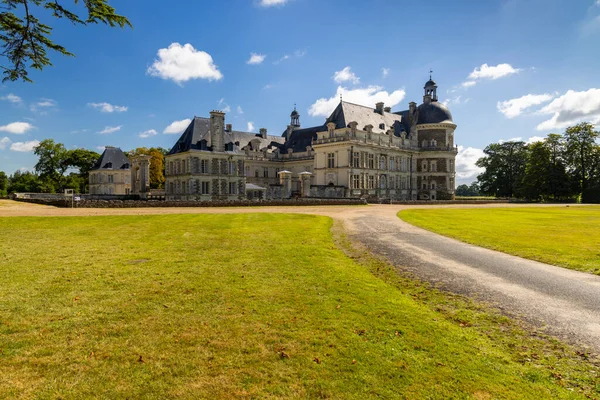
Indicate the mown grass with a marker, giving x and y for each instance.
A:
(246, 306)
(566, 236)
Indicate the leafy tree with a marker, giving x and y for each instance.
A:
(25, 39)
(52, 164)
(535, 184)
(581, 154)
(468, 190)
(504, 165)
(3, 183)
(157, 164)
(25, 182)
(83, 160)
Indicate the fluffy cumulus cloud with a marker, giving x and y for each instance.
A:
(24, 147)
(108, 108)
(110, 129)
(182, 63)
(17, 128)
(514, 107)
(346, 75)
(256, 59)
(13, 98)
(272, 3)
(177, 126)
(466, 170)
(365, 96)
(251, 127)
(489, 72)
(148, 133)
(571, 108)
(4, 142)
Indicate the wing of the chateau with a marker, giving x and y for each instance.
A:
(360, 151)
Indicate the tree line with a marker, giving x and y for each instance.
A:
(59, 168)
(561, 167)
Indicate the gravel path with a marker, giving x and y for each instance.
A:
(565, 303)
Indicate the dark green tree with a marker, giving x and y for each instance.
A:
(504, 165)
(468, 190)
(83, 160)
(52, 164)
(24, 182)
(25, 40)
(581, 154)
(535, 183)
(3, 183)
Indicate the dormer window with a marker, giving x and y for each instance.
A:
(382, 126)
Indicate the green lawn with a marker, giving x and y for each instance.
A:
(567, 236)
(248, 306)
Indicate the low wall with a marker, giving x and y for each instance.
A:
(233, 203)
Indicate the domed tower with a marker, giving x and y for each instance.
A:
(430, 90)
(295, 118)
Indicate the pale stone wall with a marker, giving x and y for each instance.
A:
(110, 182)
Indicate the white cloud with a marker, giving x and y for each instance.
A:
(182, 63)
(148, 133)
(466, 170)
(43, 103)
(385, 72)
(345, 75)
(489, 72)
(13, 98)
(250, 126)
(268, 86)
(272, 3)
(4, 142)
(17, 128)
(101, 148)
(296, 54)
(24, 147)
(177, 126)
(108, 108)
(515, 107)
(368, 96)
(571, 108)
(110, 129)
(534, 139)
(256, 59)
(224, 106)
(239, 110)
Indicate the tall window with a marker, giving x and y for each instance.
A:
(330, 160)
(392, 164)
(355, 181)
(204, 166)
(424, 166)
(265, 172)
(356, 160)
(110, 178)
(370, 182)
(371, 161)
(232, 188)
(382, 162)
(232, 167)
(204, 189)
(433, 166)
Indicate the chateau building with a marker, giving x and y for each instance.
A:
(359, 151)
(111, 173)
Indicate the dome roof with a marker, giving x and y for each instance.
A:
(434, 113)
(430, 82)
(294, 113)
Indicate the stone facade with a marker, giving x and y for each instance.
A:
(360, 152)
(111, 174)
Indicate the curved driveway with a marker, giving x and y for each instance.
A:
(565, 303)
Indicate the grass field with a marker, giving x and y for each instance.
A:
(564, 236)
(247, 306)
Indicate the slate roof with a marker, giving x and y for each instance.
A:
(112, 158)
(433, 113)
(300, 139)
(347, 112)
(199, 130)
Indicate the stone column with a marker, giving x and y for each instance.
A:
(305, 183)
(285, 180)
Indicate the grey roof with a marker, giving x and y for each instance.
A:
(348, 112)
(433, 112)
(300, 139)
(430, 82)
(112, 158)
(199, 130)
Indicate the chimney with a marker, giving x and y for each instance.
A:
(379, 108)
(412, 107)
(263, 133)
(217, 133)
(228, 128)
(387, 109)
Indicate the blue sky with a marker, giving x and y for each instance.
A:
(506, 69)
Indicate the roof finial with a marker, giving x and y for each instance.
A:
(430, 72)
(294, 106)
(340, 97)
